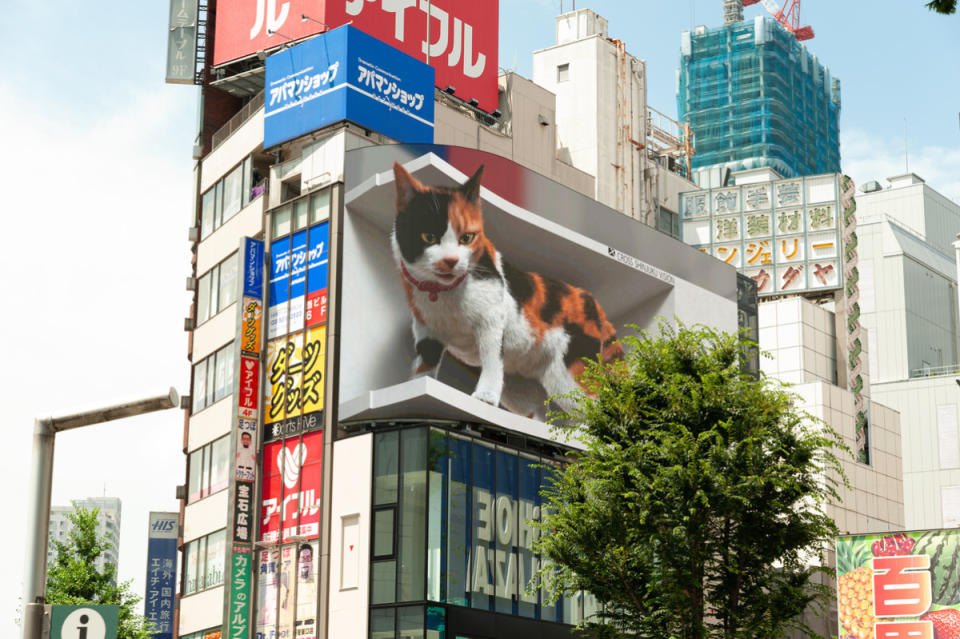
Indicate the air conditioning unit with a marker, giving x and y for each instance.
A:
(191, 283)
(188, 324)
(193, 234)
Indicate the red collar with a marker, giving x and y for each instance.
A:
(430, 287)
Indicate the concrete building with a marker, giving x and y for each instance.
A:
(108, 527)
(908, 301)
(605, 128)
(755, 97)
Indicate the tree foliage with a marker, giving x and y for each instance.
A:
(73, 579)
(697, 505)
(943, 6)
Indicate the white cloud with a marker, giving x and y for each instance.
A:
(866, 157)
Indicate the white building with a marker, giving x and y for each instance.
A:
(604, 126)
(908, 301)
(108, 527)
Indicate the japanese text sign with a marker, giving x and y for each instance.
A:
(458, 38)
(346, 74)
(291, 488)
(238, 614)
(161, 573)
(252, 251)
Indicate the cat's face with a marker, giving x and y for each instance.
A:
(439, 231)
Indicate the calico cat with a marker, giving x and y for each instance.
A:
(470, 302)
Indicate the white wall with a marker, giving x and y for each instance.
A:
(201, 611)
(350, 501)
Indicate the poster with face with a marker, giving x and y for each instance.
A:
(469, 270)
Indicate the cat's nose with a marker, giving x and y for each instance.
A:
(450, 262)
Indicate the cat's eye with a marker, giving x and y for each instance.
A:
(466, 238)
(429, 238)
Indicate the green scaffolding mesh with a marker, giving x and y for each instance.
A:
(755, 97)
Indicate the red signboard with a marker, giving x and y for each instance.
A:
(463, 36)
(249, 378)
(316, 312)
(291, 488)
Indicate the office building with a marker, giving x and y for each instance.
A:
(108, 527)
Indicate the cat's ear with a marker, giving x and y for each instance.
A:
(407, 186)
(471, 188)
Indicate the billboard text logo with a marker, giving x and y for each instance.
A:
(291, 461)
(164, 525)
(267, 11)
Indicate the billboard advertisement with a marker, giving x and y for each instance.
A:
(899, 585)
(784, 235)
(489, 281)
(161, 572)
(291, 488)
(287, 594)
(458, 38)
(346, 74)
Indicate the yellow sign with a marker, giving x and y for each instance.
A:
(252, 310)
(295, 374)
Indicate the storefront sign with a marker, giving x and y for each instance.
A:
(161, 573)
(291, 488)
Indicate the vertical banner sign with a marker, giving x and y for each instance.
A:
(291, 488)
(161, 573)
(247, 395)
(318, 257)
(899, 585)
(182, 42)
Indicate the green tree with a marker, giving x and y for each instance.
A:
(698, 502)
(943, 6)
(73, 579)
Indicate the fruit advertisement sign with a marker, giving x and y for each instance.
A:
(899, 585)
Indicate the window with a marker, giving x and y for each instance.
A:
(203, 561)
(207, 469)
(217, 288)
(224, 199)
(213, 378)
(563, 72)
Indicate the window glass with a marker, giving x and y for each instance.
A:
(458, 522)
(527, 533)
(216, 547)
(301, 210)
(232, 192)
(505, 510)
(281, 222)
(190, 561)
(385, 469)
(205, 473)
(211, 378)
(220, 379)
(382, 624)
(214, 289)
(436, 514)
(549, 610)
(436, 622)
(201, 562)
(383, 533)
(199, 386)
(247, 170)
(228, 282)
(413, 515)
(219, 462)
(218, 205)
(410, 622)
(195, 464)
(203, 299)
(384, 579)
(228, 355)
(207, 213)
(320, 206)
(484, 548)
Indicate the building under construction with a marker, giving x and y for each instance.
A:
(756, 97)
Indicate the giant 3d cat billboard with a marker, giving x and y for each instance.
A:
(463, 268)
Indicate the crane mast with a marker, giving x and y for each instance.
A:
(788, 16)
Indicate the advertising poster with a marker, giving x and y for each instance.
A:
(295, 373)
(238, 619)
(499, 295)
(291, 488)
(463, 36)
(899, 585)
(287, 600)
(161, 573)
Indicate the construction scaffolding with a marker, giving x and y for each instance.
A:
(755, 97)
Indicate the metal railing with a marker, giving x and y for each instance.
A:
(934, 371)
(234, 123)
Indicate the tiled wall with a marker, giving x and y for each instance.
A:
(801, 337)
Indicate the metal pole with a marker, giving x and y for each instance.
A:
(41, 481)
(38, 527)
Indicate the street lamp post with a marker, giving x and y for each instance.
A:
(38, 518)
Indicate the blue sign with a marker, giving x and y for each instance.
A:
(252, 267)
(318, 257)
(346, 74)
(161, 573)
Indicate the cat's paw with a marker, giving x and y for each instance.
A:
(487, 395)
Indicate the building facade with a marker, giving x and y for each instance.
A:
(108, 527)
(755, 97)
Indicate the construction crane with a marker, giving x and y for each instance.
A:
(788, 16)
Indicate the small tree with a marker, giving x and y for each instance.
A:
(943, 6)
(698, 502)
(73, 579)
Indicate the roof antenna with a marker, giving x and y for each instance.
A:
(906, 152)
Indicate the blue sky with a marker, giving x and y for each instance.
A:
(97, 174)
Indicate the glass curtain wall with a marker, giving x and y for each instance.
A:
(453, 524)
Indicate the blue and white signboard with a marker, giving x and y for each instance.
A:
(161, 573)
(346, 74)
(252, 251)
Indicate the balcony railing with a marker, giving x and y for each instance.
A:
(934, 371)
(237, 120)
